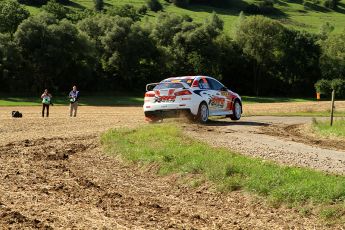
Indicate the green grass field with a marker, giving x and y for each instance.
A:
(87, 100)
(123, 100)
(252, 99)
(291, 13)
(323, 128)
(175, 152)
(299, 114)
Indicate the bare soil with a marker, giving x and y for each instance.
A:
(304, 134)
(54, 175)
(286, 108)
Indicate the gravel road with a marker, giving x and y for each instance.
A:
(285, 140)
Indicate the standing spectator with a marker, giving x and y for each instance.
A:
(73, 98)
(46, 101)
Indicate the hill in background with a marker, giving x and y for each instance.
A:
(307, 15)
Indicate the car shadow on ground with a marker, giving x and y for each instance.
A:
(229, 123)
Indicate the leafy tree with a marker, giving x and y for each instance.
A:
(10, 63)
(261, 7)
(325, 86)
(55, 53)
(332, 4)
(33, 2)
(298, 64)
(142, 10)
(166, 27)
(332, 61)
(55, 8)
(76, 16)
(126, 10)
(154, 5)
(189, 47)
(99, 5)
(97, 26)
(63, 1)
(233, 65)
(180, 3)
(11, 15)
(126, 52)
(325, 29)
(218, 3)
(260, 39)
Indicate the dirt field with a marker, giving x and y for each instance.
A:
(285, 108)
(54, 175)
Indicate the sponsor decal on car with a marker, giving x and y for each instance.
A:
(165, 99)
(224, 93)
(217, 102)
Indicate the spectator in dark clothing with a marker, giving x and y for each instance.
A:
(46, 101)
(73, 98)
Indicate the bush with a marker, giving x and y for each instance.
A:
(11, 15)
(263, 7)
(58, 10)
(76, 16)
(142, 10)
(252, 9)
(266, 6)
(33, 2)
(266, 3)
(339, 86)
(331, 4)
(326, 86)
(216, 3)
(126, 10)
(180, 3)
(99, 4)
(323, 86)
(154, 5)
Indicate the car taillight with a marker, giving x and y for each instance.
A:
(195, 83)
(149, 94)
(183, 92)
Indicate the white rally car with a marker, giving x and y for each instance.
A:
(198, 96)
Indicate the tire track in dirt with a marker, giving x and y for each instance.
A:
(54, 174)
(302, 133)
(89, 189)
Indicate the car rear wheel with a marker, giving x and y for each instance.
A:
(236, 111)
(203, 113)
(153, 118)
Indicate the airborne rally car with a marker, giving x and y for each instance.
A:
(198, 96)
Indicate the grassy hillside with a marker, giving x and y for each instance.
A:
(291, 13)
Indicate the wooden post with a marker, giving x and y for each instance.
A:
(332, 108)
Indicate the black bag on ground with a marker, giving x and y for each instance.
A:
(16, 114)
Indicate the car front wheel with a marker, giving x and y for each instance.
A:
(236, 111)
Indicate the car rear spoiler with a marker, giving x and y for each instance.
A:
(150, 86)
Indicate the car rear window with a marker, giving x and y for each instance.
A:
(168, 85)
(188, 81)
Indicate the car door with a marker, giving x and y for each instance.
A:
(220, 98)
(207, 93)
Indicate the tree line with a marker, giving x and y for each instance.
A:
(120, 50)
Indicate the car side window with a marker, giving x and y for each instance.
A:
(203, 84)
(215, 85)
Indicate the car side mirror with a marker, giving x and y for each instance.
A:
(224, 89)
